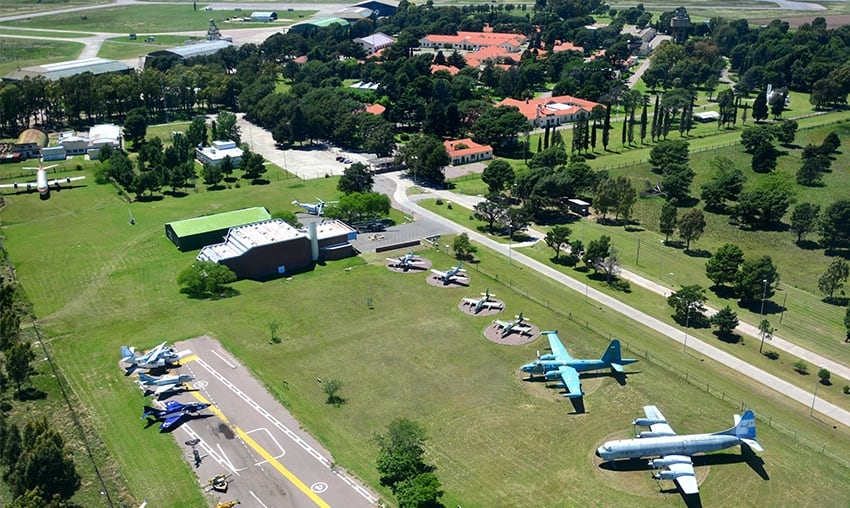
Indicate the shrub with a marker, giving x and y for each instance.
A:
(801, 367)
(439, 202)
(773, 355)
(846, 390)
(404, 136)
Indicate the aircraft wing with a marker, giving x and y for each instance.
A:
(501, 324)
(18, 185)
(686, 478)
(571, 381)
(171, 420)
(173, 406)
(471, 301)
(493, 305)
(558, 349)
(57, 181)
(653, 413)
(438, 272)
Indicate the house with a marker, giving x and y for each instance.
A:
(216, 153)
(375, 42)
(464, 151)
(473, 41)
(375, 109)
(551, 111)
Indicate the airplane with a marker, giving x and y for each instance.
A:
(560, 365)
(227, 504)
(173, 413)
(160, 356)
(452, 274)
(675, 451)
(41, 183)
(485, 302)
(405, 262)
(517, 325)
(314, 208)
(163, 385)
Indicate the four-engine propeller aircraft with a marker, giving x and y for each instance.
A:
(173, 413)
(314, 208)
(157, 357)
(675, 451)
(456, 274)
(560, 365)
(485, 302)
(406, 262)
(41, 183)
(517, 325)
(163, 385)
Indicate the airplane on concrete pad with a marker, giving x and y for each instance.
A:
(316, 209)
(675, 451)
(158, 357)
(163, 385)
(560, 365)
(517, 325)
(41, 183)
(406, 262)
(456, 274)
(173, 413)
(485, 302)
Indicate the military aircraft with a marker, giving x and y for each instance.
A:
(560, 365)
(173, 413)
(406, 262)
(160, 356)
(517, 325)
(41, 183)
(452, 274)
(675, 451)
(485, 302)
(314, 208)
(163, 385)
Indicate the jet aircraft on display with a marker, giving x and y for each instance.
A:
(158, 357)
(173, 413)
(163, 385)
(560, 365)
(516, 326)
(485, 302)
(675, 451)
(317, 208)
(456, 274)
(406, 262)
(41, 183)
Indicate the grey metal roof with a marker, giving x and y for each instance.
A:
(54, 71)
(199, 48)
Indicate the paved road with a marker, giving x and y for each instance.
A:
(803, 396)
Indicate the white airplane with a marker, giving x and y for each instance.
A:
(163, 385)
(517, 325)
(485, 302)
(160, 356)
(675, 451)
(41, 183)
(314, 208)
(452, 275)
(406, 262)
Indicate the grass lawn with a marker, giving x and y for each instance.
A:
(142, 19)
(17, 53)
(42, 33)
(103, 283)
(119, 48)
(13, 7)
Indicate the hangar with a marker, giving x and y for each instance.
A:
(191, 234)
(380, 7)
(55, 71)
(268, 249)
(200, 48)
(311, 26)
(263, 16)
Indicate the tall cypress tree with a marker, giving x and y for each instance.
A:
(655, 112)
(606, 127)
(643, 120)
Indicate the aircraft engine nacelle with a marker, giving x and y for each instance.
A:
(670, 475)
(552, 375)
(649, 433)
(646, 422)
(668, 461)
(548, 357)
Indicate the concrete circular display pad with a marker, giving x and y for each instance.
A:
(494, 334)
(434, 280)
(488, 311)
(422, 266)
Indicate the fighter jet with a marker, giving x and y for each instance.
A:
(517, 325)
(407, 262)
(455, 274)
(157, 357)
(485, 302)
(173, 413)
(163, 385)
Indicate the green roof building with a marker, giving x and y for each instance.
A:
(192, 234)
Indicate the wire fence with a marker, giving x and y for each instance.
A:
(792, 433)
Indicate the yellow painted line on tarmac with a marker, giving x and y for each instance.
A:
(189, 358)
(289, 475)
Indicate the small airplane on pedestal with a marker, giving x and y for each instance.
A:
(456, 274)
(406, 262)
(517, 325)
(485, 302)
(316, 209)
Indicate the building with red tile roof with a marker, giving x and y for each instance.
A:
(472, 41)
(551, 111)
(463, 151)
(375, 109)
(448, 68)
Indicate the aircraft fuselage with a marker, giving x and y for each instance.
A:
(667, 445)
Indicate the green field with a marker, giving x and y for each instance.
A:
(495, 439)
(42, 33)
(119, 48)
(17, 7)
(17, 53)
(146, 19)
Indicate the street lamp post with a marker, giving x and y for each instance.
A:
(763, 295)
(815, 394)
(687, 322)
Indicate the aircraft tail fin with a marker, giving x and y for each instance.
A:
(126, 354)
(613, 356)
(149, 411)
(745, 430)
(144, 378)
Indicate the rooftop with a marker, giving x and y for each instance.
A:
(219, 221)
(59, 70)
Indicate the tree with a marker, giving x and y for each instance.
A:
(676, 181)
(43, 463)
(463, 248)
(691, 226)
(556, 238)
(226, 127)
(356, 207)
(355, 178)
(205, 278)
(726, 320)
(498, 175)
(400, 452)
(668, 219)
(688, 304)
(756, 279)
(135, 126)
(726, 184)
(764, 158)
(498, 126)
(758, 136)
(722, 268)
(823, 376)
(834, 277)
(420, 491)
(766, 204)
(253, 164)
(331, 388)
(596, 252)
(760, 108)
(288, 217)
(766, 331)
(801, 367)
(517, 219)
(196, 134)
(804, 219)
(787, 131)
(668, 152)
(425, 157)
(18, 363)
(211, 174)
(812, 170)
(830, 143)
(492, 210)
(835, 225)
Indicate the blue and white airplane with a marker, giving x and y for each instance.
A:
(163, 385)
(452, 275)
(160, 356)
(675, 451)
(406, 262)
(173, 413)
(560, 365)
